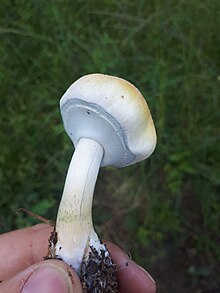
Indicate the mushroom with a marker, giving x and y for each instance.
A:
(110, 124)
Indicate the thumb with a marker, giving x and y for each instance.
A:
(50, 276)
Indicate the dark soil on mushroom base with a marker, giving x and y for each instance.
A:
(99, 273)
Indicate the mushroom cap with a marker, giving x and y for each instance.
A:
(113, 112)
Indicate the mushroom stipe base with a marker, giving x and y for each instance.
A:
(98, 273)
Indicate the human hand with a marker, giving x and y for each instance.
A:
(22, 268)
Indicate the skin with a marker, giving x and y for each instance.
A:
(21, 257)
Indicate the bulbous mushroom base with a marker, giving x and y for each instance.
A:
(98, 273)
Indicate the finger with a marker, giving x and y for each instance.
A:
(44, 277)
(22, 248)
(132, 278)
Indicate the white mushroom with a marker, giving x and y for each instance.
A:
(110, 124)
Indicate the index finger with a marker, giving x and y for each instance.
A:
(22, 248)
(132, 278)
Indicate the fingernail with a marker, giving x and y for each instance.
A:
(48, 279)
(143, 270)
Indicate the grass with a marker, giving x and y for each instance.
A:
(166, 211)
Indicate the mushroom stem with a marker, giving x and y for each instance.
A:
(74, 226)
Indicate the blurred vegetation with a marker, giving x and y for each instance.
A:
(166, 210)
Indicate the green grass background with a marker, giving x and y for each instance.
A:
(166, 210)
